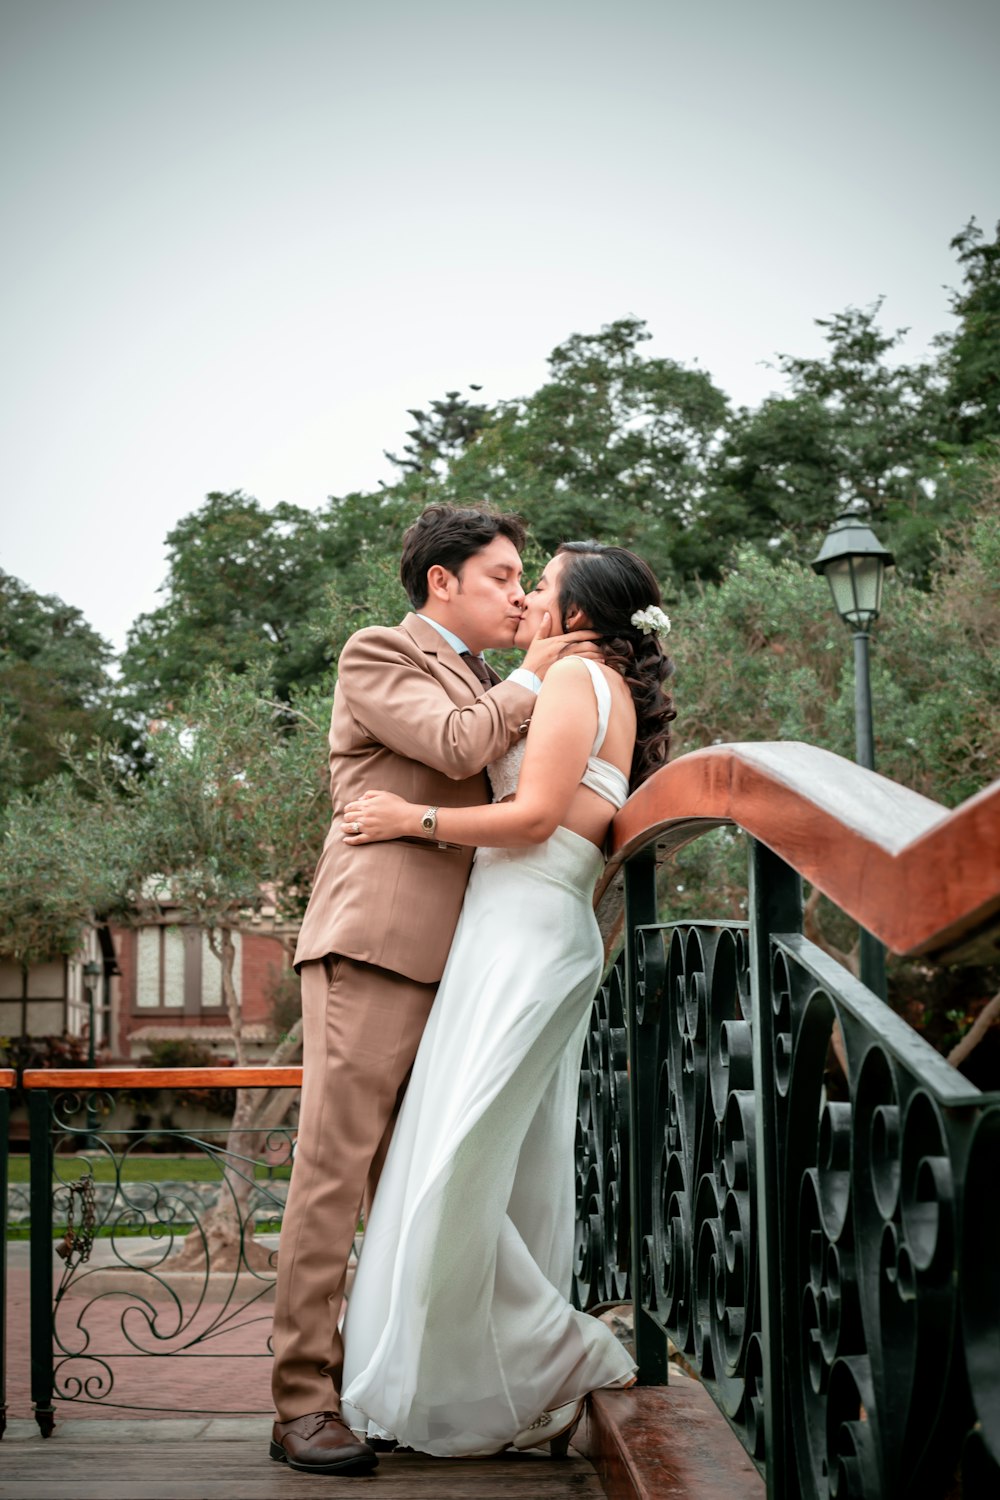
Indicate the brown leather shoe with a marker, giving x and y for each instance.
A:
(321, 1443)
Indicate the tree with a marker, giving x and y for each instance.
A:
(764, 656)
(244, 582)
(248, 586)
(57, 870)
(230, 815)
(57, 865)
(856, 428)
(973, 353)
(53, 680)
(441, 434)
(613, 446)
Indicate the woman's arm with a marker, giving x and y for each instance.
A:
(562, 731)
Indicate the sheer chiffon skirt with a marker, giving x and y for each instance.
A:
(458, 1331)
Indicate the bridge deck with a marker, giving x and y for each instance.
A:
(227, 1460)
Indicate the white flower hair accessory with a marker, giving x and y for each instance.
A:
(652, 621)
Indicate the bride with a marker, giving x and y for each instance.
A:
(459, 1336)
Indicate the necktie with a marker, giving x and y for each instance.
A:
(479, 667)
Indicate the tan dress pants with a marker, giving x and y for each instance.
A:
(361, 1029)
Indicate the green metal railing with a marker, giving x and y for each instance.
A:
(151, 1268)
(7, 1080)
(801, 1192)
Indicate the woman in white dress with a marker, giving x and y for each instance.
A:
(459, 1337)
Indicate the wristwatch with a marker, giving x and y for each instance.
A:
(429, 822)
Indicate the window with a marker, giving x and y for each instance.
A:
(176, 970)
(33, 1003)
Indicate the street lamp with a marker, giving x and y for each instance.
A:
(92, 971)
(854, 563)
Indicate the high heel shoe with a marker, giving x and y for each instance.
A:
(552, 1430)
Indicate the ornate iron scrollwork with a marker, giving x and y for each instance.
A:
(704, 1291)
(881, 1235)
(872, 1192)
(138, 1298)
(603, 1213)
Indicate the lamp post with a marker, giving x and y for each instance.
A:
(92, 972)
(854, 563)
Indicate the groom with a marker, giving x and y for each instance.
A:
(416, 711)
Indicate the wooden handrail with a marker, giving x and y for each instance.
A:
(162, 1078)
(922, 878)
(8, 1078)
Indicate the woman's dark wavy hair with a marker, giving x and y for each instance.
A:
(608, 584)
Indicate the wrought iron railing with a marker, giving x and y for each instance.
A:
(802, 1191)
(8, 1078)
(816, 1238)
(127, 1267)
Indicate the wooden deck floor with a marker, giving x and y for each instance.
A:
(197, 1460)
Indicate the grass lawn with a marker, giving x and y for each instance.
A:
(140, 1169)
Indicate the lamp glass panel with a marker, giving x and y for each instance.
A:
(867, 585)
(838, 575)
(856, 585)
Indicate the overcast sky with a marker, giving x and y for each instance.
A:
(242, 237)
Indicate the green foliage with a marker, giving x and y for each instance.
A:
(244, 585)
(59, 861)
(183, 1052)
(55, 1051)
(614, 446)
(231, 676)
(178, 1052)
(230, 813)
(856, 427)
(764, 656)
(53, 681)
(441, 433)
(275, 591)
(973, 355)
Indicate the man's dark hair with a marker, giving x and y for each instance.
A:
(447, 536)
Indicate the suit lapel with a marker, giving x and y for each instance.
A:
(432, 643)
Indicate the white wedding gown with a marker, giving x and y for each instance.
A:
(459, 1333)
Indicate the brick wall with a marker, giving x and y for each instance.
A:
(264, 961)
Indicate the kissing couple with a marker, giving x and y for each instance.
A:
(449, 957)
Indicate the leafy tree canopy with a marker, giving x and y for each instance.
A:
(230, 810)
(58, 863)
(441, 433)
(856, 427)
(244, 582)
(765, 656)
(973, 354)
(53, 680)
(614, 445)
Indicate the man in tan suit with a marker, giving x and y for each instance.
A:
(416, 711)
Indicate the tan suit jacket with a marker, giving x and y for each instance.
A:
(410, 717)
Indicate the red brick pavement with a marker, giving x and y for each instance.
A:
(217, 1377)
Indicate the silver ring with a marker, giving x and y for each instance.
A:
(355, 827)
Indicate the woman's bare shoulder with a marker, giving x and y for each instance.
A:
(567, 678)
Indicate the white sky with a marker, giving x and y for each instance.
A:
(241, 237)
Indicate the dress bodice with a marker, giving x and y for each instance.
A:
(600, 775)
